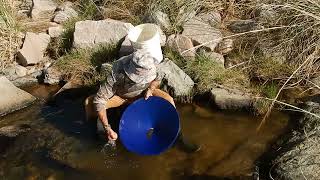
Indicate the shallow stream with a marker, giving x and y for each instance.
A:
(61, 146)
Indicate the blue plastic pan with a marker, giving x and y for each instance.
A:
(149, 127)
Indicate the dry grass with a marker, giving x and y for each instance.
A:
(9, 34)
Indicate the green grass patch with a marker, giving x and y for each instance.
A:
(84, 64)
(207, 73)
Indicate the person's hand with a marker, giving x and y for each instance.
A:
(111, 135)
(148, 93)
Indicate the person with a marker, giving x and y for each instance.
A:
(132, 77)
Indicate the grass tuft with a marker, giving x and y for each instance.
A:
(84, 64)
(9, 34)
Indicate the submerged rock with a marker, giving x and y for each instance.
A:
(89, 33)
(12, 98)
(178, 82)
(33, 48)
(225, 98)
(9, 133)
(300, 158)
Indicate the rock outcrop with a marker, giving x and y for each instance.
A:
(12, 98)
(300, 150)
(177, 82)
(33, 48)
(89, 33)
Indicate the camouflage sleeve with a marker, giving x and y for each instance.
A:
(160, 73)
(104, 93)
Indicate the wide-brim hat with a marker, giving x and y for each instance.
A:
(141, 67)
(149, 127)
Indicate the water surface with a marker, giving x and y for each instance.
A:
(61, 146)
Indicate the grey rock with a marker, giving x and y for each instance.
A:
(266, 13)
(181, 43)
(185, 14)
(99, 32)
(55, 31)
(52, 75)
(201, 32)
(12, 98)
(65, 14)
(33, 48)
(21, 71)
(213, 18)
(232, 99)
(225, 46)
(64, 5)
(240, 26)
(178, 82)
(216, 57)
(159, 18)
(15, 71)
(126, 47)
(300, 158)
(43, 8)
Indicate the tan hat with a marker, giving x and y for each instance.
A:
(141, 67)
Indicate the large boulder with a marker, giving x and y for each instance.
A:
(181, 43)
(33, 48)
(178, 83)
(12, 98)
(299, 155)
(202, 33)
(43, 8)
(225, 98)
(92, 33)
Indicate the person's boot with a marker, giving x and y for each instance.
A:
(186, 145)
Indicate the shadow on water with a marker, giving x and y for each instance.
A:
(61, 144)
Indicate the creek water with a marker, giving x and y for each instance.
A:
(61, 146)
